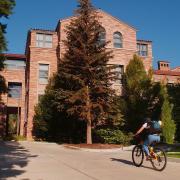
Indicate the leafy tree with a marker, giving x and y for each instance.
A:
(169, 127)
(6, 7)
(136, 82)
(81, 88)
(174, 98)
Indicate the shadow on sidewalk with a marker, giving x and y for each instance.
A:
(13, 157)
(129, 163)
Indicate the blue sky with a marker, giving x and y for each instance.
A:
(156, 20)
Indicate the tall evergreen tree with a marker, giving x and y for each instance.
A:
(174, 94)
(84, 69)
(141, 96)
(82, 85)
(169, 127)
(6, 7)
(53, 125)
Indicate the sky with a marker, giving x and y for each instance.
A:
(155, 20)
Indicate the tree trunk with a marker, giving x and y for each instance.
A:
(89, 133)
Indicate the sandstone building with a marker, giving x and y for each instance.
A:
(27, 75)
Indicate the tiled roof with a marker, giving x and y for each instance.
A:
(176, 68)
(43, 30)
(170, 73)
(15, 56)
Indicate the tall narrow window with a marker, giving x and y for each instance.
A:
(142, 49)
(102, 37)
(44, 40)
(43, 73)
(117, 38)
(14, 90)
(119, 72)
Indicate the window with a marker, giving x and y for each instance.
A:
(117, 38)
(142, 49)
(43, 73)
(14, 90)
(102, 37)
(43, 40)
(14, 64)
(119, 70)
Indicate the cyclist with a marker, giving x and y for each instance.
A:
(151, 135)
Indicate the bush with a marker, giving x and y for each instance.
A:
(14, 138)
(19, 138)
(111, 136)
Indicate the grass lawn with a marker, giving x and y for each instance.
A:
(173, 154)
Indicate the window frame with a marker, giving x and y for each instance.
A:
(15, 65)
(119, 37)
(102, 37)
(119, 79)
(19, 90)
(40, 76)
(44, 41)
(140, 51)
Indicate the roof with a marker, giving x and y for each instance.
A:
(15, 56)
(169, 72)
(117, 19)
(141, 40)
(163, 61)
(43, 30)
(176, 68)
(99, 10)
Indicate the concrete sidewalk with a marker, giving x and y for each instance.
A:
(49, 161)
(115, 150)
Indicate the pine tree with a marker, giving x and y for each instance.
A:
(169, 127)
(83, 82)
(81, 88)
(6, 7)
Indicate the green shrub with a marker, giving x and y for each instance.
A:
(14, 138)
(111, 136)
(19, 138)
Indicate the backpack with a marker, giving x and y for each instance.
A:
(155, 127)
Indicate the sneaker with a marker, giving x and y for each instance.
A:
(148, 158)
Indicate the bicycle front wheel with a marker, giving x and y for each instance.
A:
(159, 160)
(137, 155)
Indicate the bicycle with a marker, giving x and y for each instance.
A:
(158, 157)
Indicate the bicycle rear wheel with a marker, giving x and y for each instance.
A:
(137, 155)
(159, 160)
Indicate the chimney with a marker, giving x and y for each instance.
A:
(164, 65)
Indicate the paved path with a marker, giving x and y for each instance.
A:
(44, 161)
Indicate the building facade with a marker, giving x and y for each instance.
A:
(165, 74)
(44, 48)
(13, 108)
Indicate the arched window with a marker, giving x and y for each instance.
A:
(117, 38)
(102, 37)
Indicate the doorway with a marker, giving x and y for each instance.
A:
(13, 121)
